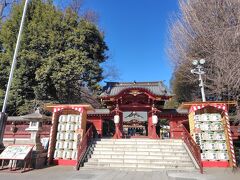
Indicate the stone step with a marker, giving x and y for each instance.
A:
(132, 153)
(121, 150)
(138, 165)
(142, 161)
(139, 155)
(139, 142)
(180, 169)
(137, 149)
(100, 156)
(137, 146)
(141, 139)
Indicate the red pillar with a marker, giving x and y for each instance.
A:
(118, 133)
(52, 138)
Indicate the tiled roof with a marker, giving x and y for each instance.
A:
(99, 111)
(36, 116)
(114, 88)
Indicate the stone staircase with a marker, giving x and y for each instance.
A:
(139, 155)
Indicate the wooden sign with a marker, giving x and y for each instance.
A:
(16, 152)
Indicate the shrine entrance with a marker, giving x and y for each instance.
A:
(135, 124)
(135, 107)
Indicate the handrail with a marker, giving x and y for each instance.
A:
(193, 147)
(83, 146)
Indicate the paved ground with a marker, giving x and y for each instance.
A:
(68, 173)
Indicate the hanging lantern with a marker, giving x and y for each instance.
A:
(154, 119)
(116, 119)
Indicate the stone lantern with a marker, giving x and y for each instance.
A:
(35, 127)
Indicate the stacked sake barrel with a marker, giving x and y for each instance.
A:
(211, 137)
(67, 137)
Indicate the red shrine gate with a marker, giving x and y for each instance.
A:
(135, 109)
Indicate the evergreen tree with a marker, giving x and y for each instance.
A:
(60, 53)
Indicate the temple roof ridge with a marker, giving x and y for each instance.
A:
(114, 88)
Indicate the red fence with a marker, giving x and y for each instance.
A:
(193, 147)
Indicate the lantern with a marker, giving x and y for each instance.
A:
(154, 119)
(116, 119)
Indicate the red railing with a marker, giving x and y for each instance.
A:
(83, 146)
(193, 147)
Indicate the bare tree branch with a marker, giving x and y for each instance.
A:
(208, 29)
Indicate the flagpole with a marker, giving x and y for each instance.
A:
(3, 115)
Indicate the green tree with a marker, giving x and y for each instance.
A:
(60, 54)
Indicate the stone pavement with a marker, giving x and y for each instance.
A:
(68, 173)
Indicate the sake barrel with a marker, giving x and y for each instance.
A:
(76, 136)
(202, 126)
(70, 127)
(71, 118)
(222, 145)
(197, 117)
(75, 145)
(67, 154)
(211, 155)
(204, 135)
(59, 144)
(68, 145)
(58, 154)
(205, 126)
(60, 136)
(216, 117)
(63, 119)
(219, 136)
(209, 145)
(69, 136)
(62, 127)
(222, 155)
(210, 136)
(74, 155)
(198, 125)
(77, 126)
(205, 117)
(78, 118)
(203, 156)
(203, 146)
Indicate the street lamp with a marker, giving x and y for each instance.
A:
(199, 70)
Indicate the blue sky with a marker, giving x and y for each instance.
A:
(136, 34)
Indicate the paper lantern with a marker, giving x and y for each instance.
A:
(154, 119)
(116, 119)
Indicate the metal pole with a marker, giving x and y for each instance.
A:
(202, 87)
(3, 115)
(14, 58)
(3, 120)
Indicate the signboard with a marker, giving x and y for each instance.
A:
(16, 152)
